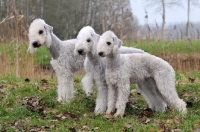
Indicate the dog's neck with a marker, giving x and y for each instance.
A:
(113, 61)
(55, 46)
(92, 55)
(93, 58)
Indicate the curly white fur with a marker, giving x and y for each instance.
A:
(64, 61)
(95, 66)
(125, 69)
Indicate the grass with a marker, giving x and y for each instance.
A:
(42, 55)
(167, 47)
(28, 102)
(17, 115)
(17, 62)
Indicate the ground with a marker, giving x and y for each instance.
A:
(28, 95)
(30, 105)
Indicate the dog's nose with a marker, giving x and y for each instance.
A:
(100, 53)
(35, 44)
(80, 51)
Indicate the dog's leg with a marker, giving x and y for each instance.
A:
(112, 98)
(102, 94)
(65, 88)
(59, 89)
(88, 83)
(151, 94)
(122, 98)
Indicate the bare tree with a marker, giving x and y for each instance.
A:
(69, 16)
(161, 8)
(189, 3)
(116, 15)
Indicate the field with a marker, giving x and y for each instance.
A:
(28, 94)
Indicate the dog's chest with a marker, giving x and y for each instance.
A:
(111, 77)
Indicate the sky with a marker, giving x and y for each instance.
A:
(174, 15)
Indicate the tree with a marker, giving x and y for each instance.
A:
(69, 16)
(161, 7)
(189, 2)
(116, 15)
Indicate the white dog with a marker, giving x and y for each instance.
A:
(64, 61)
(95, 65)
(125, 69)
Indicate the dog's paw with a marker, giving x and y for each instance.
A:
(108, 112)
(118, 115)
(89, 93)
(99, 112)
(59, 100)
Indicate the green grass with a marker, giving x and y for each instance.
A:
(16, 116)
(167, 47)
(42, 55)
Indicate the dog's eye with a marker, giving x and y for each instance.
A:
(108, 43)
(40, 32)
(88, 40)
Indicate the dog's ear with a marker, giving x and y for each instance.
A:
(49, 28)
(117, 41)
(97, 37)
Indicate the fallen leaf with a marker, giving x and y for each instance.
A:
(189, 104)
(108, 116)
(197, 129)
(44, 81)
(2, 89)
(161, 130)
(96, 128)
(84, 129)
(144, 120)
(187, 94)
(33, 104)
(84, 115)
(27, 80)
(146, 112)
(70, 115)
(59, 116)
(169, 121)
(147, 121)
(66, 115)
(176, 130)
(164, 127)
(72, 129)
(132, 106)
(128, 125)
(191, 79)
(176, 120)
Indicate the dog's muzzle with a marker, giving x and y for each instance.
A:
(101, 54)
(80, 51)
(36, 44)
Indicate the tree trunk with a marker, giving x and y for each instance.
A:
(188, 19)
(0, 9)
(27, 11)
(163, 20)
(42, 9)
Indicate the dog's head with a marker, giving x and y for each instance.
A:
(86, 39)
(39, 34)
(108, 44)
